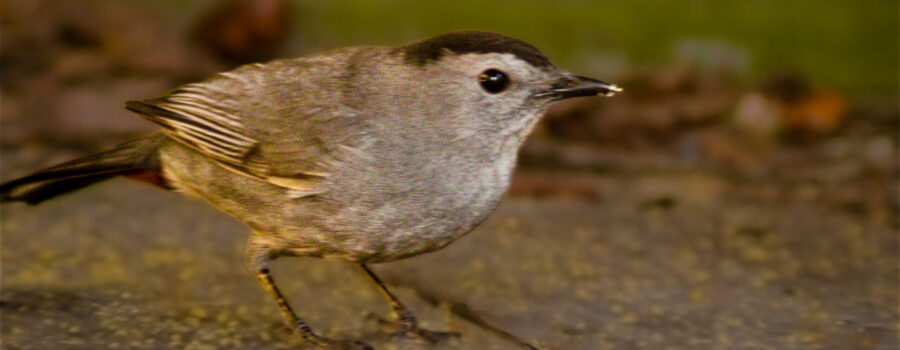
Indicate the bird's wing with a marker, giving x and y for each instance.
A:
(267, 126)
(196, 122)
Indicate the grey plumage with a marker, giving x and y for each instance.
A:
(362, 182)
(363, 154)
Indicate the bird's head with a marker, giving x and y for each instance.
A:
(494, 77)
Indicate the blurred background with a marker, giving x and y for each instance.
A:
(759, 133)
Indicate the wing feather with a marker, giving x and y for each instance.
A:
(270, 122)
(197, 128)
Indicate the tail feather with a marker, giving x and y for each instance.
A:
(51, 189)
(136, 157)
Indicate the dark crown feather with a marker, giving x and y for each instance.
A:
(428, 50)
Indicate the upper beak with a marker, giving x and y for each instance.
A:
(577, 86)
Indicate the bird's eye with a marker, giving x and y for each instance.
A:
(493, 81)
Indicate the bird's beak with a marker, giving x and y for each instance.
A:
(577, 86)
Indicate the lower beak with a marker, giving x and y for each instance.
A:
(577, 86)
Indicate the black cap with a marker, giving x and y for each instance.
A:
(422, 52)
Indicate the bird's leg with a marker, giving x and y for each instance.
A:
(259, 259)
(289, 316)
(407, 322)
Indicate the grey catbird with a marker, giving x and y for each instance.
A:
(361, 154)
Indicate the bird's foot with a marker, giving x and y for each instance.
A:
(408, 328)
(316, 341)
(324, 343)
(423, 335)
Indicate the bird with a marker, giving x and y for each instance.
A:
(364, 155)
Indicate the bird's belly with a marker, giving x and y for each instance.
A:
(391, 226)
(439, 223)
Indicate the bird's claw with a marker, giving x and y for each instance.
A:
(316, 341)
(324, 343)
(423, 335)
(408, 328)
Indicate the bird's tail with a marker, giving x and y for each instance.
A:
(137, 159)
